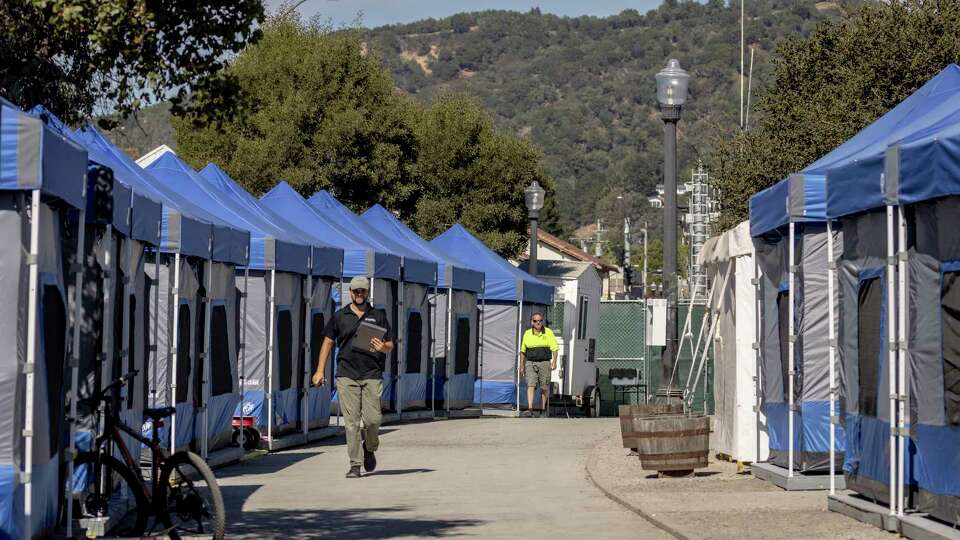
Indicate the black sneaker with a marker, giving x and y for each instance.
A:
(369, 459)
(354, 472)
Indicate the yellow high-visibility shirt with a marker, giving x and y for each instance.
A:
(538, 347)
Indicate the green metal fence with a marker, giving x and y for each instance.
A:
(622, 344)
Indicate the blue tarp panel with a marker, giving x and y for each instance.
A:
(327, 260)
(34, 156)
(929, 163)
(230, 244)
(359, 258)
(501, 276)
(181, 229)
(855, 172)
(451, 273)
(768, 209)
(416, 267)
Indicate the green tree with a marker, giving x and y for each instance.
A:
(828, 86)
(317, 112)
(80, 56)
(468, 172)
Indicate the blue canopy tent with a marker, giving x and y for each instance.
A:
(189, 236)
(359, 257)
(456, 344)
(908, 185)
(510, 296)
(279, 249)
(114, 309)
(42, 182)
(409, 315)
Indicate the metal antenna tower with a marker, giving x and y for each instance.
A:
(699, 221)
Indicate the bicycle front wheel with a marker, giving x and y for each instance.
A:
(189, 499)
(104, 488)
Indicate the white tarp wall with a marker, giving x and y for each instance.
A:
(738, 432)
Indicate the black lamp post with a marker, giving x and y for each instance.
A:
(671, 94)
(534, 197)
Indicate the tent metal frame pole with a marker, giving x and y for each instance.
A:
(758, 353)
(271, 356)
(32, 309)
(482, 316)
(448, 376)
(791, 342)
(172, 345)
(307, 361)
(690, 391)
(104, 369)
(519, 345)
(242, 371)
(432, 323)
(156, 325)
(207, 359)
(891, 338)
(903, 334)
(402, 342)
(832, 355)
(335, 359)
(75, 353)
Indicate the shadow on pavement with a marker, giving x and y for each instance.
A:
(395, 472)
(267, 464)
(344, 523)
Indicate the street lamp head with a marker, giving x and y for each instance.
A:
(534, 195)
(672, 84)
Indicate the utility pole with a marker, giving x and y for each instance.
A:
(626, 255)
(644, 260)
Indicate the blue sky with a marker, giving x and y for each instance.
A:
(381, 12)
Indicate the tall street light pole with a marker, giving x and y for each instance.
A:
(671, 94)
(533, 196)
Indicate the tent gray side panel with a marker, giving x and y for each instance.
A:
(925, 347)
(772, 373)
(439, 325)
(288, 295)
(416, 298)
(461, 386)
(384, 297)
(223, 290)
(13, 276)
(500, 342)
(812, 325)
(255, 363)
(319, 398)
(160, 319)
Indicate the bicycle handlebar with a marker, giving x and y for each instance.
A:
(104, 394)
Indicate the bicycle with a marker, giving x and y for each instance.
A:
(184, 497)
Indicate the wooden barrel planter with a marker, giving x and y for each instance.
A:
(629, 414)
(673, 444)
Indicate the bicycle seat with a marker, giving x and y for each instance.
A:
(159, 412)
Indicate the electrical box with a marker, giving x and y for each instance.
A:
(656, 322)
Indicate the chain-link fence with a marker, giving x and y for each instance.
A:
(622, 344)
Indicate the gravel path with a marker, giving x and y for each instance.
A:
(719, 502)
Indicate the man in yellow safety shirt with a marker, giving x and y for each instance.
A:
(538, 358)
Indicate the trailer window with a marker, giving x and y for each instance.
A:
(868, 343)
(950, 313)
(582, 319)
(54, 335)
(414, 342)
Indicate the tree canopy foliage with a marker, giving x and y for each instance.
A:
(321, 113)
(826, 87)
(78, 57)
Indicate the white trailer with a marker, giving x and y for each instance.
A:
(578, 291)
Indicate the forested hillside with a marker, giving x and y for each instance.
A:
(581, 89)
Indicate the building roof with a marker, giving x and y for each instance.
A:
(573, 251)
(558, 269)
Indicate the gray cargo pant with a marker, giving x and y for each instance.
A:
(360, 400)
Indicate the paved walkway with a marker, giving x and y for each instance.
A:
(488, 478)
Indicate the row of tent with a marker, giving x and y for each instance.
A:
(218, 299)
(858, 260)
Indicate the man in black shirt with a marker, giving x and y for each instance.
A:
(359, 373)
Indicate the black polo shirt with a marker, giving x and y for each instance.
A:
(357, 363)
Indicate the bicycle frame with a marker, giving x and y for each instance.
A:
(112, 433)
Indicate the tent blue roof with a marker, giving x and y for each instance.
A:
(451, 273)
(230, 244)
(504, 282)
(359, 258)
(809, 198)
(180, 230)
(416, 267)
(271, 236)
(34, 156)
(918, 148)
